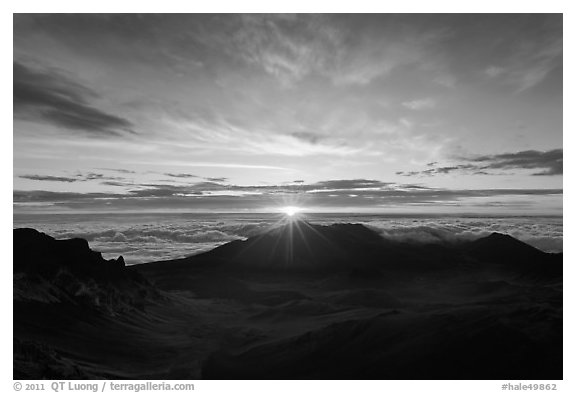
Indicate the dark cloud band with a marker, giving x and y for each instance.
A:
(48, 97)
(330, 193)
(546, 163)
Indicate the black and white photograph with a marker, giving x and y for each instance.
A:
(254, 196)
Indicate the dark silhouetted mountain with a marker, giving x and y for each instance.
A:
(498, 247)
(80, 316)
(38, 253)
(299, 246)
(53, 270)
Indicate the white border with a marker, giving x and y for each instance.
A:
(371, 6)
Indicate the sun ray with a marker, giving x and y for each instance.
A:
(316, 232)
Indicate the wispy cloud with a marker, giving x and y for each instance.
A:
(207, 164)
(115, 183)
(344, 49)
(534, 65)
(531, 59)
(293, 47)
(191, 176)
(494, 71)
(51, 98)
(445, 80)
(119, 170)
(346, 184)
(222, 134)
(287, 47)
(416, 105)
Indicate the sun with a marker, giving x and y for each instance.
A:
(291, 211)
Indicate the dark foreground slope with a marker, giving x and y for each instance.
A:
(301, 301)
(79, 316)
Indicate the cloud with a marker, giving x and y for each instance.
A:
(534, 66)
(50, 178)
(191, 176)
(545, 234)
(550, 162)
(342, 193)
(52, 98)
(169, 239)
(446, 80)
(494, 71)
(257, 139)
(464, 168)
(95, 176)
(536, 52)
(343, 50)
(547, 163)
(287, 47)
(58, 196)
(290, 145)
(307, 136)
(71, 179)
(416, 105)
(181, 175)
(118, 170)
(117, 183)
(342, 188)
(352, 184)
(232, 165)
(165, 240)
(217, 179)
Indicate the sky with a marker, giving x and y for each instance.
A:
(384, 113)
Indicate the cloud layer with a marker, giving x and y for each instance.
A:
(160, 237)
(322, 195)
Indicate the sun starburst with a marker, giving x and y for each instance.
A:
(291, 211)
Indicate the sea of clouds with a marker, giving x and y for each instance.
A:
(144, 238)
(542, 233)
